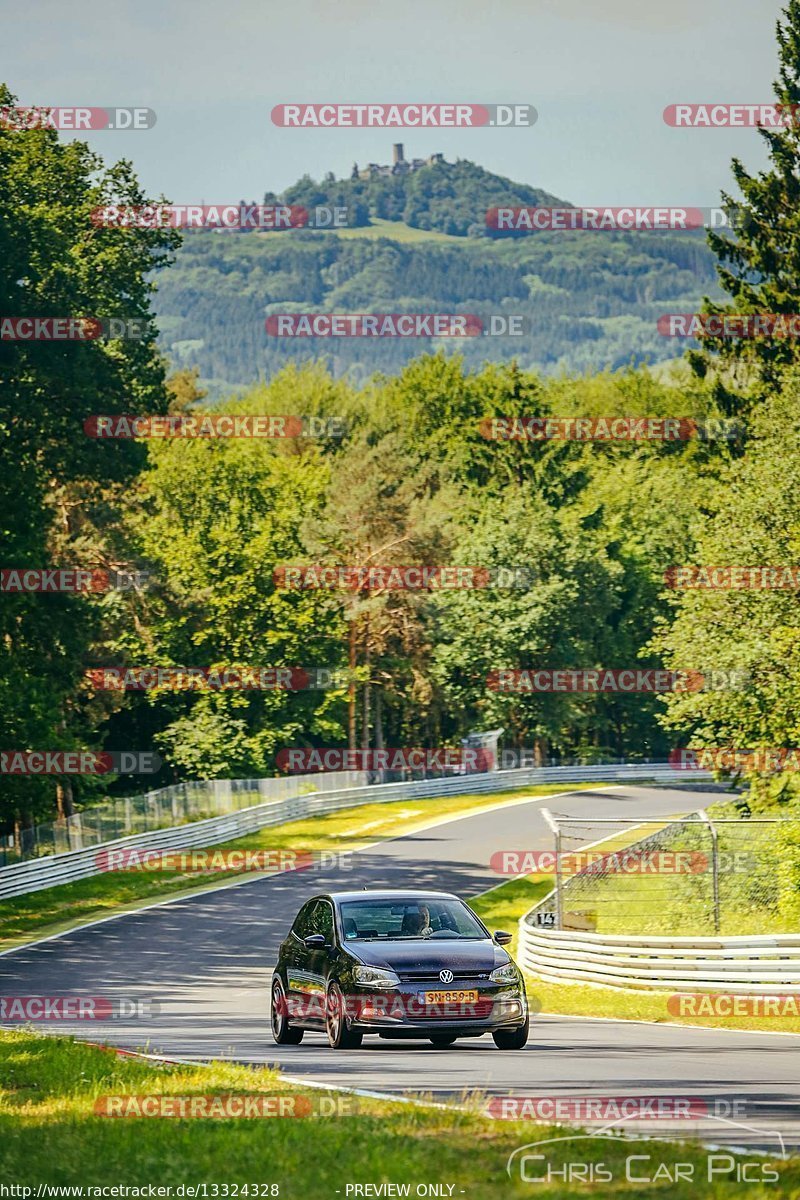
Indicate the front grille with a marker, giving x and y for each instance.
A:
(458, 1012)
(433, 977)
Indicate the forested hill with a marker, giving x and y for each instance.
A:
(450, 198)
(591, 300)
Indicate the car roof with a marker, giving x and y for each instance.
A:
(391, 894)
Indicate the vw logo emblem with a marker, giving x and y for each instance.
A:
(446, 976)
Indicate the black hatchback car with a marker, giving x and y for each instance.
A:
(397, 964)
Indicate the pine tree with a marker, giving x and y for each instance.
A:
(760, 267)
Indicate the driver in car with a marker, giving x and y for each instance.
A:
(419, 922)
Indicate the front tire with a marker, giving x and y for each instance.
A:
(340, 1035)
(283, 1033)
(512, 1039)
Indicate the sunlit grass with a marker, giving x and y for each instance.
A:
(50, 1133)
(398, 231)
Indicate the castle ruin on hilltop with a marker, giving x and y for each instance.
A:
(400, 164)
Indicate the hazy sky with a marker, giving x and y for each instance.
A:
(599, 72)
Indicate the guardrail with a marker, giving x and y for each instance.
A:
(51, 870)
(755, 965)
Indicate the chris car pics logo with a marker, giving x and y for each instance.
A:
(549, 1161)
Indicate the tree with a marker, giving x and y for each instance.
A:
(553, 619)
(384, 507)
(753, 520)
(54, 262)
(216, 517)
(760, 267)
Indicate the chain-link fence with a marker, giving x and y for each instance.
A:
(694, 876)
(163, 808)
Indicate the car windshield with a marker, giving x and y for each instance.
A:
(397, 920)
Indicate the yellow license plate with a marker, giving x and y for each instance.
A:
(451, 997)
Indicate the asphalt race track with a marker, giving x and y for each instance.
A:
(205, 961)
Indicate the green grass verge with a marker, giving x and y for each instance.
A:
(55, 909)
(502, 907)
(586, 1001)
(50, 1134)
(398, 231)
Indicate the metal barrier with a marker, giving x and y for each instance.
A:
(757, 965)
(38, 873)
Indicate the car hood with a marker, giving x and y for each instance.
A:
(430, 955)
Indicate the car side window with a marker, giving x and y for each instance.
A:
(303, 922)
(323, 921)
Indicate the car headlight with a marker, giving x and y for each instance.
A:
(506, 974)
(376, 977)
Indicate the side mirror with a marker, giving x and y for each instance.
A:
(314, 941)
(502, 938)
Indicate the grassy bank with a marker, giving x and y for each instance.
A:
(576, 999)
(398, 231)
(55, 909)
(50, 1133)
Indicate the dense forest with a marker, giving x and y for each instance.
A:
(404, 475)
(590, 300)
